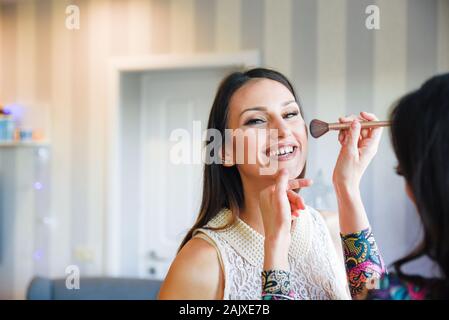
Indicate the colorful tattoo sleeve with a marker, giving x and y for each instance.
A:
(276, 285)
(364, 264)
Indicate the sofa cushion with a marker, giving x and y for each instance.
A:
(95, 288)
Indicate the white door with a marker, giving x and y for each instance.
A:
(170, 193)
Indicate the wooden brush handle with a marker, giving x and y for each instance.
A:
(365, 124)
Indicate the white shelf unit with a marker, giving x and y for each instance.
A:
(24, 207)
(35, 144)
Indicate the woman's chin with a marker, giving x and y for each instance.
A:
(293, 173)
(292, 168)
(271, 169)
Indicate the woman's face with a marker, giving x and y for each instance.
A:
(265, 112)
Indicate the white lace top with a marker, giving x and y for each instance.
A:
(316, 272)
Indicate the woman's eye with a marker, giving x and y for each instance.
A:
(291, 114)
(253, 121)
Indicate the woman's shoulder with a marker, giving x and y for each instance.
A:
(194, 274)
(392, 287)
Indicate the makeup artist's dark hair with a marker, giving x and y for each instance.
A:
(222, 186)
(420, 138)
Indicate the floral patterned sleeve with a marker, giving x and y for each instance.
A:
(276, 285)
(363, 262)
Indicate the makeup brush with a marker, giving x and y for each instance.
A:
(319, 128)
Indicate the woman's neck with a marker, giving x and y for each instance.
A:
(250, 213)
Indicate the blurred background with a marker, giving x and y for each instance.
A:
(88, 106)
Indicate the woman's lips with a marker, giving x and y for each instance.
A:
(283, 152)
(287, 156)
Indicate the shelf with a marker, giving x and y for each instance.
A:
(17, 144)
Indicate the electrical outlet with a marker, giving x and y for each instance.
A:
(83, 254)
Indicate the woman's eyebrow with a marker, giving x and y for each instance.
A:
(286, 103)
(253, 109)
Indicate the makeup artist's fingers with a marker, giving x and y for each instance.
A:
(349, 118)
(341, 133)
(368, 116)
(299, 183)
(344, 134)
(354, 136)
(364, 133)
(375, 133)
(341, 137)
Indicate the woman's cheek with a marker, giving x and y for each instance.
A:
(247, 147)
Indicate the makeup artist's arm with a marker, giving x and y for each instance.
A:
(278, 203)
(358, 147)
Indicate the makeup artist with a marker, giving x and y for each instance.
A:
(420, 138)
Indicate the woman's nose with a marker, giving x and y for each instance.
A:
(283, 130)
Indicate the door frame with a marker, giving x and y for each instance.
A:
(116, 66)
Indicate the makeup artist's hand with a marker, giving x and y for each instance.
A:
(358, 147)
(278, 204)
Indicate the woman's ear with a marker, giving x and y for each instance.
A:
(226, 158)
(409, 192)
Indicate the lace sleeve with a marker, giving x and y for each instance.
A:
(363, 262)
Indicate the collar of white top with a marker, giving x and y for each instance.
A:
(250, 244)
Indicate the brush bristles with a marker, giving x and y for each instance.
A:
(318, 128)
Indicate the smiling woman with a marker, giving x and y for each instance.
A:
(222, 256)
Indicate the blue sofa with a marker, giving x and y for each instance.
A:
(94, 288)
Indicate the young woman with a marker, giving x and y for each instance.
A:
(222, 256)
(420, 137)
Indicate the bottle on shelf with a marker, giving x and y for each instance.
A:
(7, 126)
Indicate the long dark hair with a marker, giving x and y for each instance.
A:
(420, 138)
(222, 186)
